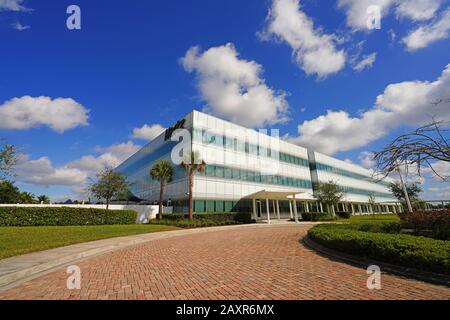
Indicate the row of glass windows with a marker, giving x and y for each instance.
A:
(235, 144)
(252, 176)
(345, 173)
(367, 193)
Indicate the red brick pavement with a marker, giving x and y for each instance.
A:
(245, 263)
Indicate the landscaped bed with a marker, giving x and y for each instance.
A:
(204, 220)
(20, 240)
(380, 238)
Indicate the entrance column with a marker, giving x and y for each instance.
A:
(290, 209)
(321, 207)
(255, 216)
(295, 210)
(395, 209)
(268, 210)
(278, 209)
(306, 207)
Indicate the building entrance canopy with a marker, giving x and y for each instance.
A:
(275, 197)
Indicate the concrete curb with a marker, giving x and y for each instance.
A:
(424, 276)
(20, 269)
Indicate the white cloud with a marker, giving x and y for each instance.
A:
(366, 159)
(148, 132)
(314, 51)
(356, 10)
(20, 27)
(27, 112)
(74, 174)
(42, 172)
(405, 103)
(430, 33)
(366, 63)
(233, 87)
(12, 5)
(418, 9)
(441, 170)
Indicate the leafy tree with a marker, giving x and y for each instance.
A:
(413, 189)
(27, 198)
(109, 184)
(43, 199)
(329, 194)
(8, 159)
(163, 172)
(421, 149)
(192, 164)
(9, 193)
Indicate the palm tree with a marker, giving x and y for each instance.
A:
(43, 199)
(192, 164)
(163, 172)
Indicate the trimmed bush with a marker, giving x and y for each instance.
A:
(433, 223)
(49, 216)
(406, 250)
(344, 215)
(219, 217)
(204, 220)
(317, 216)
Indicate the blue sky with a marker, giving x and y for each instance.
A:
(78, 99)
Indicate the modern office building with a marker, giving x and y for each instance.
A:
(250, 171)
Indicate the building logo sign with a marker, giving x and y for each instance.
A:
(170, 131)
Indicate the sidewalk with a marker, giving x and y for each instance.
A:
(19, 269)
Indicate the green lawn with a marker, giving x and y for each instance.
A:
(19, 240)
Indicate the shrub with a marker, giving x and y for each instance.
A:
(437, 223)
(317, 216)
(381, 227)
(407, 250)
(48, 216)
(217, 217)
(344, 215)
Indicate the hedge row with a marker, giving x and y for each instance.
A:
(187, 224)
(406, 250)
(317, 216)
(47, 216)
(215, 217)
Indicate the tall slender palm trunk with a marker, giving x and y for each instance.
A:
(161, 195)
(191, 189)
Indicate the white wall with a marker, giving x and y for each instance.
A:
(144, 213)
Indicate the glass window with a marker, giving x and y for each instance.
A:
(199, 205)
(244, 175)
(220, 206)
(210, 171)
(257, 177)
(228, 173)
(228, 206)
(247, 147)
(210, 206)
(235, 144)
(204, 136)
(236, 174)
(219, 172)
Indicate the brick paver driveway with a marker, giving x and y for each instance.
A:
(240, 263)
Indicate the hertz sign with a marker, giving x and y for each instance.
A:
(169, 132)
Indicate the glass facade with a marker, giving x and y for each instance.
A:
(345, 173)
(228, 173)
(207, 138)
